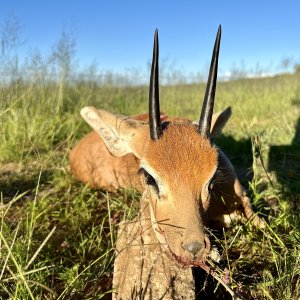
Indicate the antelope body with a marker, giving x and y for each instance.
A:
(184, 177)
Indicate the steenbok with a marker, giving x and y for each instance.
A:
(186, 179)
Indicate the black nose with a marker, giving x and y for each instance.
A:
(193, 247)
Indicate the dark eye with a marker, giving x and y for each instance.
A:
(210, 186)
(212, 183)
(149, 179)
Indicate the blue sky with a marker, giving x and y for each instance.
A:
(119, 34)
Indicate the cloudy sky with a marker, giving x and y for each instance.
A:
(118, 35)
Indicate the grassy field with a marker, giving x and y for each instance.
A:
(56, 236)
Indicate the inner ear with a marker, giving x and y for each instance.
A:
(120, 134)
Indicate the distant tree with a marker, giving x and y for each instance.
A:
(63, 55)
(297, 68)
(238, 71)
(10, 42)
(286, 63)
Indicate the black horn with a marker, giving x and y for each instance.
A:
(209, 98)
(154, 111)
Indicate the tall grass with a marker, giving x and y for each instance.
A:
(56, 235)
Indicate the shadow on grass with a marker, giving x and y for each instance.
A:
(284, 160)
(240, 154)
(205, 287)
(16, 182)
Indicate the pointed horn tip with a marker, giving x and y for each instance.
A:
(208, 102)
(219, 33)
(156, 37)
(218, 40)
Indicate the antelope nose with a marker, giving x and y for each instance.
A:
(193, 247)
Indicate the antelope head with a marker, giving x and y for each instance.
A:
(178, 163)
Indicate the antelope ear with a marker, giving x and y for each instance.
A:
(218, 122)
(120, 134)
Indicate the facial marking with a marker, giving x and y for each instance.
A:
(181, 158)
(161, 188)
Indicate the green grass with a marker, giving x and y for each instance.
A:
(56, 235)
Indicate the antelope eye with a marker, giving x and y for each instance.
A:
(149, 179)
(213, 181)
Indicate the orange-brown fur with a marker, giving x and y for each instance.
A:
(191, 154)
(93, 164)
